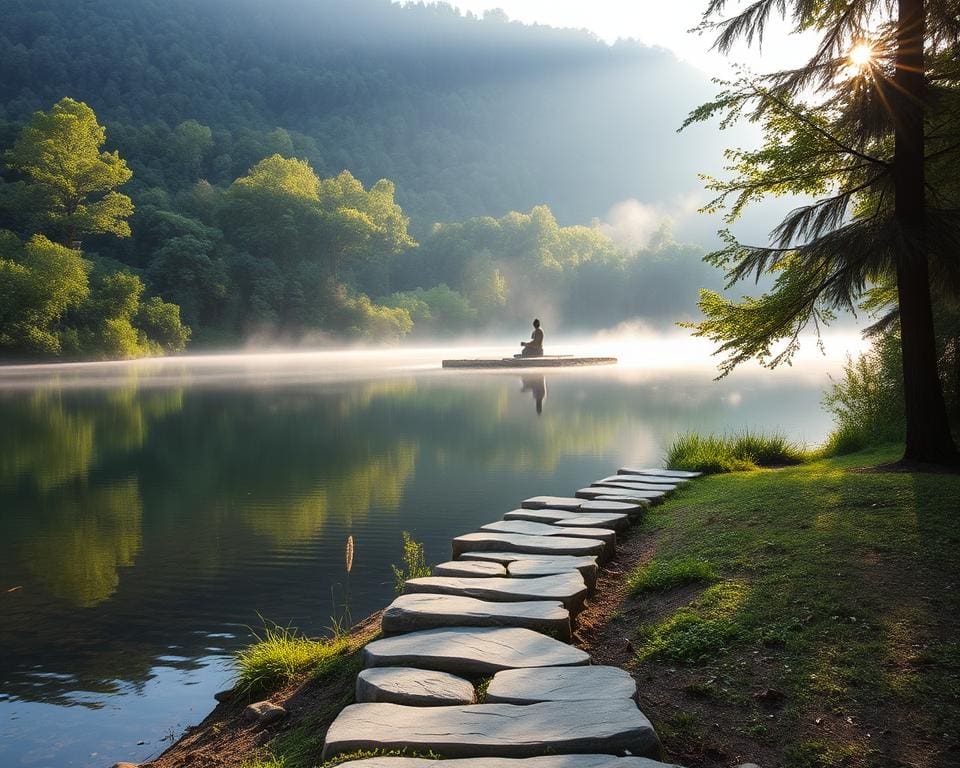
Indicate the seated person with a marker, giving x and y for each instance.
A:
(534, 347)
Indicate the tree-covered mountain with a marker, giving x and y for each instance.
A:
(467, 116)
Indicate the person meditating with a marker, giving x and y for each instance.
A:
(534, 347)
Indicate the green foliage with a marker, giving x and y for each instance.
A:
(414, 563)
(281, 654)
(59, 153)
(40, 282)
(437, 311)
(732, 453)
(659, 575)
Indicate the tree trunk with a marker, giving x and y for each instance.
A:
(928, 430)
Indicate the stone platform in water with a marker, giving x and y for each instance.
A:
(535, 545)
(474, 569)
(530, 528)
(659, 472)
(650, 497)
(417, 612)
(652, 479)
(634, 485)
(529, 686)
(546, 761)
(413, 687)
(565, 518)
(495, 730)
(521, 565)
(546, 361)
(569, 588)
(553, 502)
(634, 509)
(471, 652)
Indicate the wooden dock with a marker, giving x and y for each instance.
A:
(502, 612)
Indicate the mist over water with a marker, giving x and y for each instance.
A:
(152, 511)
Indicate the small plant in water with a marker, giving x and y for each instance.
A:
(414, 563)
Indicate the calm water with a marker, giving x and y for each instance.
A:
(150, 513)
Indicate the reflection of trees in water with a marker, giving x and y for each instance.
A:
(81, 540)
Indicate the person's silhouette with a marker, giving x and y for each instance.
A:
(534, 347)
(537, 385)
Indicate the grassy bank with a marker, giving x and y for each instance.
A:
(804, 616)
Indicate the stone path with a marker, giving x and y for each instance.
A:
(505, 607)
(658, 472)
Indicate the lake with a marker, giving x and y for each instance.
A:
(153, 513)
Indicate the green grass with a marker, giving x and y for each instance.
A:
(659, 575)
(746, 450)
(841, 585)
(281, 654)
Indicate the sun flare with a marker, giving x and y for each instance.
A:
(861, 55)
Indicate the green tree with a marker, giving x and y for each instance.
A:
(856, 131)
(40, 282)
(59, 152)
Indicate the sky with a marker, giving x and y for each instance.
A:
(654, 22)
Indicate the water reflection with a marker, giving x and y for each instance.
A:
(537, 385)
(144, 525)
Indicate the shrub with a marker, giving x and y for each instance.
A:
(732, 453)
(414, 563)
(867, 400)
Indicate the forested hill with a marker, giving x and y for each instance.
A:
(467, 116)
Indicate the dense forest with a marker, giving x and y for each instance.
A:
(358, 169)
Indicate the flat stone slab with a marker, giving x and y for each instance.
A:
(472, 652)
(553, 502)
(534, 545)
(547, 761)
(529, 686)
(521, 565)
(569, 588)
(651, 479)
(476, 568)
(621, 493)
(415, 612)
(633, 486)
(598, 505)
(529, 528)
(611, 520)
(659, 472)
(413, 687)
(495, 730)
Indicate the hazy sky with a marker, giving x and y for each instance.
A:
(654, 22)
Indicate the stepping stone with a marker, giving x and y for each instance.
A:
(529, 686)
(517, 542)
(495, 730)
(569, 588)
(659, 472)
(648, 497)
(529, 528)
(473, 653)
(651, 479)
(597, 505)
(413, 687)
(553, 502)
(633, 486)
(563, 517)
(544, 761)
(476, 568)
(416, 612)
(552, 564)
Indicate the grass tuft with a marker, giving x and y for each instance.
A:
(732, 453)
(659, 575)
(282, 654)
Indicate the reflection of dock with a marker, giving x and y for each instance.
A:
(547, 361)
